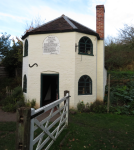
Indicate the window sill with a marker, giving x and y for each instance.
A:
(85, 54)
(25, 56)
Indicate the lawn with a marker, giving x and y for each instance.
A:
(85, 131)
(7, 135)
(98, 132)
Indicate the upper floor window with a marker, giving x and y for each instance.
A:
(85, 46)
(25, 84)
(26, 48)
(85, 85)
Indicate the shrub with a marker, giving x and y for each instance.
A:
(98, 107)
(9, 108)
(20, 104)
(81, 106)
(17, 93)
(120, 94)
(27, 103)
(132, 105)
(31, 103)
(11, 103)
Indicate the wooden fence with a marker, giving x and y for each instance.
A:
(3, 73)
(28, 123)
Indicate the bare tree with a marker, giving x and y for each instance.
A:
(126, 35)
(110, 40)
(36, 22)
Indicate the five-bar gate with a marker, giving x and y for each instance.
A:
(34, 132)
(45, 125)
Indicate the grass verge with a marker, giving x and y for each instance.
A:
(7, 135)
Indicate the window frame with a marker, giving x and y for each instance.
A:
(25, 84)
(90, 44)
(26, 48)
(85, 77)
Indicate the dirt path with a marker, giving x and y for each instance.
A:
(7, 116)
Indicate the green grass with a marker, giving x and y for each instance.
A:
(7, 135)
(86, 131)
(98, 131)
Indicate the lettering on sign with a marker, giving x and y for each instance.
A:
(51, 45)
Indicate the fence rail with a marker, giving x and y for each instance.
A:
(50, 129)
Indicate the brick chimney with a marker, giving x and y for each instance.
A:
(100, 10)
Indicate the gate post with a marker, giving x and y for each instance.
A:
(23, 128)
(67, 107)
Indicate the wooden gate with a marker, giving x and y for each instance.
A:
(27, 137)
(47, 137)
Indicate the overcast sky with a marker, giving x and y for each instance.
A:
(15, 14)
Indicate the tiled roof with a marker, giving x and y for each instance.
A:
(61, 24)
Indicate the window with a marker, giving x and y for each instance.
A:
(26, 48)
(85, 85)
(25, 84)
(85, 46)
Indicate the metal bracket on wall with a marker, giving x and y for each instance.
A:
(76, 47)
(33, 65)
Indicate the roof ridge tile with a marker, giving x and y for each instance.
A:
(69, 21)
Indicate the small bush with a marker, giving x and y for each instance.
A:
(81, 106)
(17, 93)
(9, 108)
(120, 110)
(98, 107)
(132, 105)
(101, 107)
(11, 103)
(20, 104)
(7, 100)
(31, 103)
(27, 103)
(87, 105)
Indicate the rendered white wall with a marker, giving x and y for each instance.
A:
(68, 64)
(64, 64)
(85, 65)
(105, 78)
(25, 67)
(100, 70)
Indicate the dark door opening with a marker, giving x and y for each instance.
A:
(49, 88)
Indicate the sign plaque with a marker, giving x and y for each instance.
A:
(51, 45)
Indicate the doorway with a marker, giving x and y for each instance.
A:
(49, 88)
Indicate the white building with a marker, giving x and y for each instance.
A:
(64, 55)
